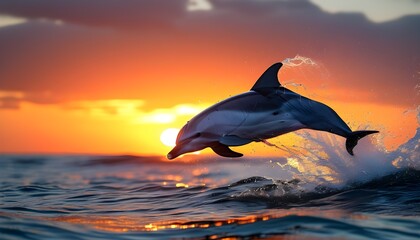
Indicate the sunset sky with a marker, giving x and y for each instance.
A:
(109, 76)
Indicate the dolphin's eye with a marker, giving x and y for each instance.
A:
(192, 137)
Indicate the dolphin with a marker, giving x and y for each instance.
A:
(266, 111)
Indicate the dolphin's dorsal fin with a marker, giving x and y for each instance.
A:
(268, 79)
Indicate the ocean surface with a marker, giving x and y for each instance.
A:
(317, 192)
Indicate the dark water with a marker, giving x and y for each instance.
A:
(306, 196)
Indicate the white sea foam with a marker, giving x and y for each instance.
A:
(321, 159)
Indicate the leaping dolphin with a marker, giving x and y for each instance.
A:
(266, 111)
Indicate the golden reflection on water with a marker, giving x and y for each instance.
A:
(125, 224)
(122, 224)
(181, 185)
(131, 224)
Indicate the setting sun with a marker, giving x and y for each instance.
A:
(168, 137)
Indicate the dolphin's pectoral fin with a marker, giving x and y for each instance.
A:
(268, 80)
(233, 140)
(225, 151)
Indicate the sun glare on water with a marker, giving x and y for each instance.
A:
(168, 136)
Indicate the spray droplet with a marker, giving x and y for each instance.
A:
(297, 61)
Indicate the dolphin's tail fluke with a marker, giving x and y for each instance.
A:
(354, 137)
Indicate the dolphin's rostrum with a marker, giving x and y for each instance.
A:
(266, 111)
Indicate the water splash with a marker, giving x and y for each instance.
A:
(301, 64)
(325, 159)
(298, 61)
(296, 85)
(320, 164)
(408, 154)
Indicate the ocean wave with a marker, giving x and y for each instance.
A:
(401, 189)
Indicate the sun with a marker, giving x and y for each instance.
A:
(168, 136)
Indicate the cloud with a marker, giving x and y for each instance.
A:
(169, 115)
(10, 100)
(121, 107)
(130, 109)
(158, 51)
(13, 99)
(9, 103)
(103, 13)
(389, 9)
(199, 5)
(134, 110)
(6, 20)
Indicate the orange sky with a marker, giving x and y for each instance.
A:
(76, 78)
